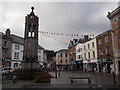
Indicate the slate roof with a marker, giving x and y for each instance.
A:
(17, 39)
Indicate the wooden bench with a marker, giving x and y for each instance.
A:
(88, 77)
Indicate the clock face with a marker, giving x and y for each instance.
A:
(114, 23)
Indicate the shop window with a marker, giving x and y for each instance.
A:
(15, 64)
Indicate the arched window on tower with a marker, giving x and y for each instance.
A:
(33, 34)
(29, 34)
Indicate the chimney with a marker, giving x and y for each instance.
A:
(7, 32)
(86, 38)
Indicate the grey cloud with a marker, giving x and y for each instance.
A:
(63, 17)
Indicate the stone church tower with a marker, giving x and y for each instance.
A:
(30, 54)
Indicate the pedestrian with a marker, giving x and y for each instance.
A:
(93, 70)
(85, 70)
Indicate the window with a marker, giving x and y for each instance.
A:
(80, 56)
(93, 54)
(33, 34)
(66, 60)
(16, 55)
(39, 51)
(93, 44)
(17, 46)
(39, 58)
(85, 55)
(88, 54)
(99, 41)
(61, 61)
(61, 55)
(84, 48)
(106, 39)
(66, 54)
(15, 64)
(5, 43)
(88, 46)
(100, 51)
(29, 34)
(119, 39)
(108, 50)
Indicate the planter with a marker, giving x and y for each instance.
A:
(43, 81)
(43, 78)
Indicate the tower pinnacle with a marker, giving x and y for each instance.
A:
(32, 8)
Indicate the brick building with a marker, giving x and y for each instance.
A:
(114, 18)
(105, 51)
(72, 53)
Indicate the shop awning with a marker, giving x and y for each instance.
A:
(107, 60)
(73, 62)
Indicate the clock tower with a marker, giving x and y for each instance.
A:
(30, 54)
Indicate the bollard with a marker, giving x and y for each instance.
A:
(114, 78)
(59, 73)
(56, 74)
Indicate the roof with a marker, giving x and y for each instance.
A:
(117, 10)
(17, 39)
(39, 47)
(63, 50)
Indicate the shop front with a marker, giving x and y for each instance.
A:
(79, 65)
(106, 65)
(73, 66)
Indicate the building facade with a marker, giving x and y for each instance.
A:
(17, 51)
(79, 55)
(6, 49)
(90, 61)
(114, 18)
(105, 51)
(62, 59)
(12, 51)
(72, 54)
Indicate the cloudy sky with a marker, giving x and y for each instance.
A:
(58, 17)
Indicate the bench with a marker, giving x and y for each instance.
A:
(88, 77)
(14, 78)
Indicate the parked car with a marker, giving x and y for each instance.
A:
(6, 70)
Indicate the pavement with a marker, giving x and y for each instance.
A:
(99, 80)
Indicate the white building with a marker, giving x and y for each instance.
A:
(79, 55)
(90, 55)
(17, 51)
(40, 55)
